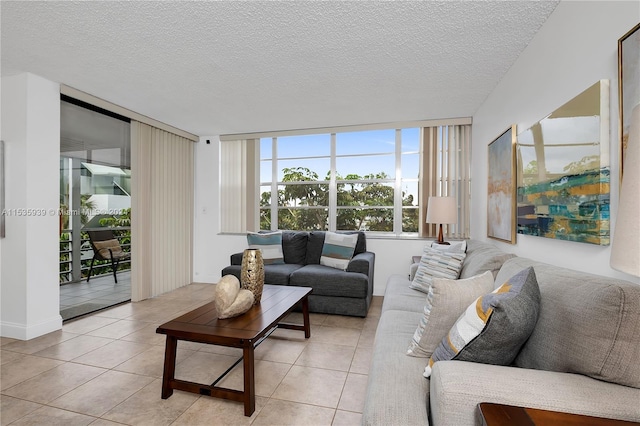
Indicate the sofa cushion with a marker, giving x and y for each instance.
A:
(273, 274)
(328, 281)
(482, 257)
(437, 263)
(580, 314)
(337, 250)
(397, 394)
(399, 296)
(294, 246)
(446, 301)
(493, 328)
(269, 243)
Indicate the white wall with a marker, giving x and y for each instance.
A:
(575, 48)
(30, 289)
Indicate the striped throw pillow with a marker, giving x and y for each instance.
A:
(437, 263)
(494, 327)
(338, 249)
(270, 244)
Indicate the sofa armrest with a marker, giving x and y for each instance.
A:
(362, 263)
(236, 259)
(457, 387)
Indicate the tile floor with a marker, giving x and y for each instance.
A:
(106, 369)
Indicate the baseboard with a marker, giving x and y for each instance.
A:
(28, 332)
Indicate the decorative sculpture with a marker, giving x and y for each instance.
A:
(252, 273)
(230, 300)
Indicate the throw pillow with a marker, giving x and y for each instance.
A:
(446, 300)
(437, 263)
(494, 327)
(338, 249)
(269, 243)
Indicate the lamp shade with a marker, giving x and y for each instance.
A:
(625, 249)
(442, 210)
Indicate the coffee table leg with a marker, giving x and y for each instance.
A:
(249, 381)
(169, 366)
(305, 316)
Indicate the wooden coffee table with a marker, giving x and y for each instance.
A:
(509, 415)
(246, 331)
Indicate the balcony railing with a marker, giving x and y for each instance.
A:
(74, 264)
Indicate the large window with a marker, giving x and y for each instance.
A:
(371, 179)
(366, 180)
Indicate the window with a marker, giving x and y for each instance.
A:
(346, 179)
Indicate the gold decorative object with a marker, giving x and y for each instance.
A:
(252, 273)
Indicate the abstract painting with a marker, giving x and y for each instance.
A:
(502, 187)
(563, 171)
(628, 85)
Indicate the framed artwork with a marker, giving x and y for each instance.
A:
(563, 171)
(501, 201)
(628, 85)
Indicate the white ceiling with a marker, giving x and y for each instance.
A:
(231, 67)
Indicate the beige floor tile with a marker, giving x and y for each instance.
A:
(104, 422)
(73, 348)
(51, 416)
(311, 386)
(87, 324)
(353, 394)
(148, 335)
(335, 335)
(214, 411)
(314, 319)
(24, 368)
(118, 329)
(39, 343)
(361, 361)
(222, 350)
(12, 409)
(203, 367)
(277, 349)
(7, 356)
(293, 335)
(145, 407)
(54, 383)
(327, 355)
(343, 321)
(7, 340)
(268, 375)
(285, 413)
(101, 394)
(119, 312)
(112, 354)
(346, 418)
(151, 362)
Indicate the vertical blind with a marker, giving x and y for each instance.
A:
(162, 211)
(446, 172)
(239, 185)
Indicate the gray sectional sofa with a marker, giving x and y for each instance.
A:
(582, 357)
(339, 292)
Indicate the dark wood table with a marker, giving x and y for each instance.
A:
(490, 414)
(246, 331)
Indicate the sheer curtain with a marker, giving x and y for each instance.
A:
(162, 180)
(446, 172)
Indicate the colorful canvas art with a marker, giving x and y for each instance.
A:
(563, 171)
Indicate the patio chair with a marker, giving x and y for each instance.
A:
(106, 247)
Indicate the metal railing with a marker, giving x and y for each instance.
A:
(74, 264)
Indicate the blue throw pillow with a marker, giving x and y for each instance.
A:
(270, 244)
(338, 249)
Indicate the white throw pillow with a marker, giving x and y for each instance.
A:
(438, 263)
(270, 244)
(338, 249)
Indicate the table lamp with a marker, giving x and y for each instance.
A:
(442, 210)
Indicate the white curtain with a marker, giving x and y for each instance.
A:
(446, 172)
(162, 180)
(239, 185)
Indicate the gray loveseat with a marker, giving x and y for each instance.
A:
(334, 291)
(582, 357)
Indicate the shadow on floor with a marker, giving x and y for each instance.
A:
(78, 299)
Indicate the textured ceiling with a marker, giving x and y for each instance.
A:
(230, 67)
